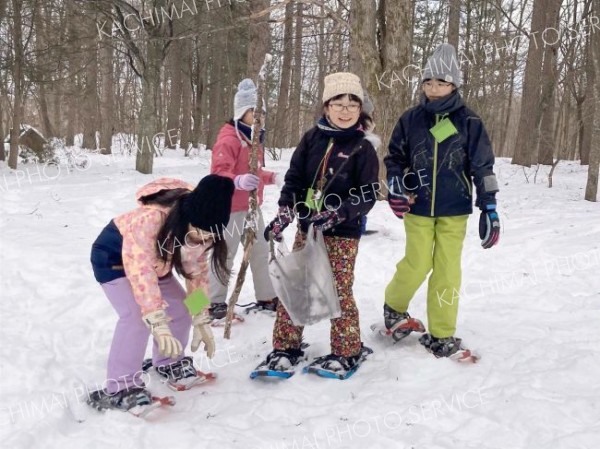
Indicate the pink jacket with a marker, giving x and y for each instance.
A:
(231, 157)
(142, 265)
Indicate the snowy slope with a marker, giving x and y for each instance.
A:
(530, 306)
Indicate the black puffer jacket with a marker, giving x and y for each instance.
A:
(441, 174)
(351, 179)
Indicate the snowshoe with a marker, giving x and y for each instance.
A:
(449, 347)
(337, 367)
(221, 322)
(182, 375)
(217, 311)
(268, 307)
(398, 325)
(279, 363)
(138, 401)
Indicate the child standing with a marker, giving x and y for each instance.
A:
(231, 158)
(329, 166)
(133, 257)
(436, 150)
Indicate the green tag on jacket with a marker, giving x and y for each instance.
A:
(442, 130)
(314, 199)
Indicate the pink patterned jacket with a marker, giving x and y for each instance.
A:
(141, 262)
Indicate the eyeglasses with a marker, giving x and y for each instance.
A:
(337, 107)
(437, 84)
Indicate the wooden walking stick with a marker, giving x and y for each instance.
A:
(251, 221)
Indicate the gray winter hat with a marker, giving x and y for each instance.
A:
(245, 98)
(443, 65)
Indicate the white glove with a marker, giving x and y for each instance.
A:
(203, 334)
(157, 322)
(247, 182)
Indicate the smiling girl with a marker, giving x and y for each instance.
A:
(333, 160)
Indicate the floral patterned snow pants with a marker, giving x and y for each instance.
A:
(345, 331)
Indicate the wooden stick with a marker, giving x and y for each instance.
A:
(251, 221)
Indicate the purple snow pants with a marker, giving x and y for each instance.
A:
(131, 334)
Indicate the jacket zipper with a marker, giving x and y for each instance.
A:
(467, 183)
(435, 156)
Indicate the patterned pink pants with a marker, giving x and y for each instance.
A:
(345, 331)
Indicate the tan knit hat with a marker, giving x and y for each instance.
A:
(342, 83)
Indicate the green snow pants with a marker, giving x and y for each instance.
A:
(432, 243)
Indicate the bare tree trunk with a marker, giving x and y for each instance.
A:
(281, 137)
(397, 54)
(466, 87)
(215, 104)
(321, 67)
(525, 147)
(40, 39)
(90, 103)
(454, 22)
(591, 190)
(296, 78)
(199, 63)
(588, 109)
(258, 38)
(90, 95)
(71, 115)
(380, 62)
(107, 105)
(149, 123)
(545, 136)
(2, 152)
(73, 68)
(17, 115)
(364, 54)
(186, 94)
(174, 109)
(508, 144)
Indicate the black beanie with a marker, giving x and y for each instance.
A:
(209, 205)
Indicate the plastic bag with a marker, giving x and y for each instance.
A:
(304, 282)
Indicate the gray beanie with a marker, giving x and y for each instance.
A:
(443, 65)
(245, 98)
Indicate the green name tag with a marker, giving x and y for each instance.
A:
(196, 302)
(442, 130)
(311, 202)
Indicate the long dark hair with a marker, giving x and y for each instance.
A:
(364, 119)
(172, 235)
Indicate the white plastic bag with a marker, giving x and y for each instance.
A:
(304, 282)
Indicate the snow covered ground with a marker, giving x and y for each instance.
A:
(530, 306)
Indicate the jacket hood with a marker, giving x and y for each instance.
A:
(161, 184)
(228, 131)
(374, 139)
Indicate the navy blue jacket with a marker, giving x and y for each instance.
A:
(442, 174)
(351, 187)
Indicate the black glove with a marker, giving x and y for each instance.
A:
(284, 217)
(325, 220)
(398, 201)
(489, 226)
